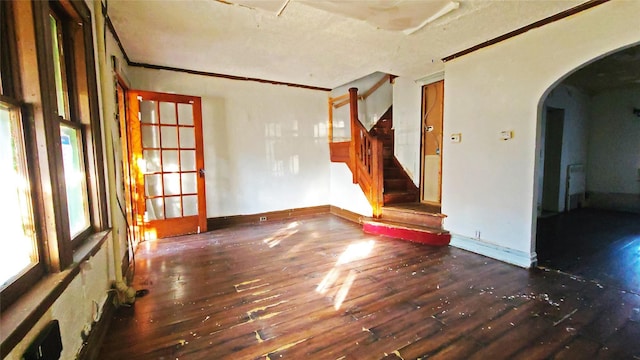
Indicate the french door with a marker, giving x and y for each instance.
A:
(168, 162)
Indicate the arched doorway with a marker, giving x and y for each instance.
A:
(588, 173)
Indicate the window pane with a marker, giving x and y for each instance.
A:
(187, 160)
(173, 207)
(155, 209)
(190, 204)
(153, 185)
(150, 136)
(148, 112)
(170, 160)
(187, 137)
(58, 66)
(17, 243)
(189, 183)
(185, 114)
(167, 113)
(152, 160)
(75, 180)
(172, 184)
(169, 136)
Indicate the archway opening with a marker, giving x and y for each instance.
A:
(588, 173)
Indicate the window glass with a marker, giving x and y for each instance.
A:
(18, 240)
(75, 183)
(59, 66)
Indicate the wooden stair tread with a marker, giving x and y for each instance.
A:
(400, 192)
(400, 225)
(415, 233)
(415, 208)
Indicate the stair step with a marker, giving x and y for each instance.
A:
(414, 215)
(393, 185)
(397, 197)
(384, 123)
(386, 135)
(420, 234)
(392, 172)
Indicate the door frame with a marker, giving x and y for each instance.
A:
(134, 222)
(431, 141)
(557, 143)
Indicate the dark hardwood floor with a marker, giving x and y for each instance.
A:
(597, 245)
(319, 288)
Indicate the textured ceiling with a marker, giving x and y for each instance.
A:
(620, 69)
(317, 44)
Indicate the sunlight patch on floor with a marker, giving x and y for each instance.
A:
(354, 252)
(282, 234)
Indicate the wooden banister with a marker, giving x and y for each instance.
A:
(376, 86)
(366, 160)
(365, 151)
(344, 99)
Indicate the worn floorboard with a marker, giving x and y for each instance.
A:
(319, 288)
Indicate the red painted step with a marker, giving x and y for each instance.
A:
(419, 234)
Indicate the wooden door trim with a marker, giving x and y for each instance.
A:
(439, 84)
(177, 225)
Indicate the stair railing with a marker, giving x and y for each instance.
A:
(342, 100)
(366, 158)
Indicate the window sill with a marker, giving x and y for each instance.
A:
(19, 318)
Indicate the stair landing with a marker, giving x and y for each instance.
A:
(415, 222)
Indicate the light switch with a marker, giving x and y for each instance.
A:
(506, 135)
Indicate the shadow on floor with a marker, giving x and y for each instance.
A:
(598, 245)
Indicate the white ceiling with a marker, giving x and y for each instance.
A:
(618, 70)
(313, 42)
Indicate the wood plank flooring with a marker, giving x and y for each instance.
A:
(319, 288)
(599, 245)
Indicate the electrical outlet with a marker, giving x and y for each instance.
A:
(263, 218)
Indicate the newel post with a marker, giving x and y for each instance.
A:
(377, 178)
(353, 116)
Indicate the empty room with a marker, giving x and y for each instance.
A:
(262, 179)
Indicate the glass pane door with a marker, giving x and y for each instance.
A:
(170, 159)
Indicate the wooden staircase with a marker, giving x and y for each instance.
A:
(397, 185)
(394, 197)
(403, 216)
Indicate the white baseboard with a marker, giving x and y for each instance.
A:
(511, 256)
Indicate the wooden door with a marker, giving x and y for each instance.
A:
(134, 221)
(431, 159)
(167, 155)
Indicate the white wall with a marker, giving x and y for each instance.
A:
(74, 309)
(614, 143)
(407, 109)
(345, 194)
(575, 103)
(489, 186)
(265, 146)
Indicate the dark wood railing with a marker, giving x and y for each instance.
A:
(366, 159)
